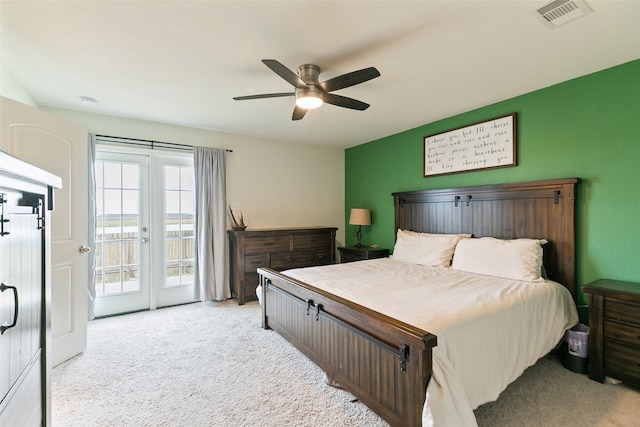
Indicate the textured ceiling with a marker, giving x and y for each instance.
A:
(182, 62)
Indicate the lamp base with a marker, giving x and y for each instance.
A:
(359, 237)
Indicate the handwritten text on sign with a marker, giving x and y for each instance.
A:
(489, 144)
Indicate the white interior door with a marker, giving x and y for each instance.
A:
(59, 147)
(143, 260)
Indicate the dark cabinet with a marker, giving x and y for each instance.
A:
(25, 294)
(614, 330)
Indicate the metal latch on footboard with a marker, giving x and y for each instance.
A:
(310, 306)
(401, 352)
(317, 308)
(404, 356)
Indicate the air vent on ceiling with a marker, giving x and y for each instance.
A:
(559, 12)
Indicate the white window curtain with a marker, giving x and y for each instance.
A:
(91, 291)
(211, 260)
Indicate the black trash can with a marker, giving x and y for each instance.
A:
(575, 349)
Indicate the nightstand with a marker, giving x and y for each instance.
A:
(614, 330)
(352, 253)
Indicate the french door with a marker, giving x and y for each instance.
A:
(144, 231)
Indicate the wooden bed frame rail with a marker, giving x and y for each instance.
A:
(385, 363)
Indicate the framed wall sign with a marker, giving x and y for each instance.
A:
(484, 145)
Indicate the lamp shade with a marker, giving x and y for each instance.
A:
(360, 217)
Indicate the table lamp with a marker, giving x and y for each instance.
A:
(360, 217)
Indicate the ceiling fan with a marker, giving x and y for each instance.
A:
(310, 93)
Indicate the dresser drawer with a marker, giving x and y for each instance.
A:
(622, 361)
(349, 257)
(261, 244)
(351, 254)
(310, 241)
(285, 261)
(252, 262)
(622, 332)
(622, 312)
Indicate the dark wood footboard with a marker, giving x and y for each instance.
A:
(385, 363)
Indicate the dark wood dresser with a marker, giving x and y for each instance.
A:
(280, 249)
(614, 330)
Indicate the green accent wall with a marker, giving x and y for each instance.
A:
(588, 128)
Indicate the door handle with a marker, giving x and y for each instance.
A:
(84, 249)
(145, 240)
(5, 326)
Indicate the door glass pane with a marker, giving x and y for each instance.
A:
(172, 178)
(179, 207)
(117, 228)
(187, 179)
(112, 177)
(130, 176)
(130, 202)
(112, 202)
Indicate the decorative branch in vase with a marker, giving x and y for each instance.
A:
(237, 225)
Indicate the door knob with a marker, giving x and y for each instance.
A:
(84, 249)
(145, 240)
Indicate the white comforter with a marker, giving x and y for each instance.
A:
(489, 329)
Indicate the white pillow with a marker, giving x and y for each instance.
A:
(461, 235)
(425, 249)
(518, 259)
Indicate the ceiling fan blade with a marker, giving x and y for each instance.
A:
(298, 113)
(350, 79)
(265, 95)
(343, 101)
(285, 73)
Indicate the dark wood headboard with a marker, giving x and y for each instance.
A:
(536, 209)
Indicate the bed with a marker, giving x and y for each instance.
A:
(378, 352)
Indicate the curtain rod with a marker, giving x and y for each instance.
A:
(150, 143)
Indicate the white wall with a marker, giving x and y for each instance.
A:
(11, 88)
(276, 184)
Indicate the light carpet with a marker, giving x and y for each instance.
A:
(211, 364)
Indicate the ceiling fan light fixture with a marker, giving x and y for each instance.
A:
(310, 93)
(308, 101)
(309, 98)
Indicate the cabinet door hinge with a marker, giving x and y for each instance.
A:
(3, 220)
(38, 209)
